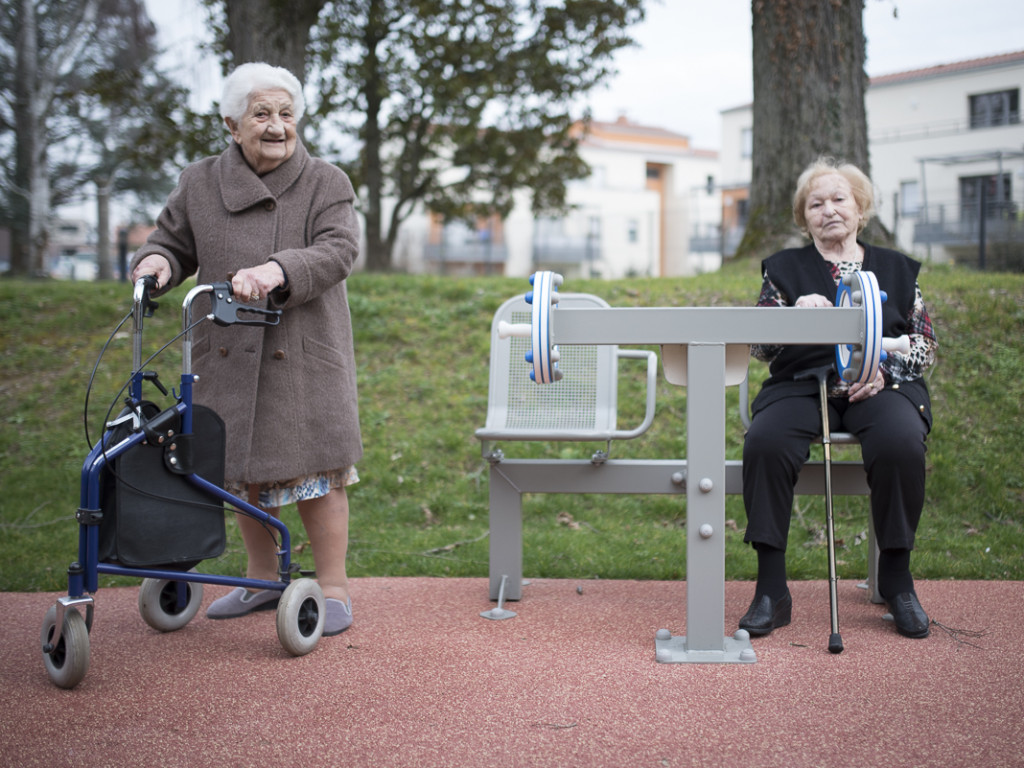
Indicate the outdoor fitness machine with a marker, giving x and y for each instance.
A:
(707, 349)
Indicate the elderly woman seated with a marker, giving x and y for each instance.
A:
(891, 416)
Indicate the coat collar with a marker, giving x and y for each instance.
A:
(241, 188)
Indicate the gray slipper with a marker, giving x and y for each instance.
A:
(241, 602)
(339, 616)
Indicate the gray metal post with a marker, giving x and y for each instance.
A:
(705, 498)
(506, 535)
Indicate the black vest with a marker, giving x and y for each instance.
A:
(798, 272)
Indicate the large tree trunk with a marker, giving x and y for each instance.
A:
(274, 31)
(809, 85)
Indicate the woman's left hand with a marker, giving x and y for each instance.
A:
(256, 283)
(860, 392)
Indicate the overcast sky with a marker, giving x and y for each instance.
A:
(703, 49)
(694, 56)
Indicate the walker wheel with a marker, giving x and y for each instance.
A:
(859, 362)
(167, 605)
(300, 617)
(69, 661)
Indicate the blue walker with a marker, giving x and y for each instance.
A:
(152, 507)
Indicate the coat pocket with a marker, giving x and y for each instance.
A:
(322, 352)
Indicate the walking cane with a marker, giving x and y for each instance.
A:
(835, 640)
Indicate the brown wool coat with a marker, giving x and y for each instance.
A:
(287, 393)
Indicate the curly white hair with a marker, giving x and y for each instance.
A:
(258, 76)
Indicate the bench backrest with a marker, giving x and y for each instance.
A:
(580, 407)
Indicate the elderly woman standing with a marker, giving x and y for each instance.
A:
(891, 416)
(281, 226)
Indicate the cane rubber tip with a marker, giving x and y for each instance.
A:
(835, 644)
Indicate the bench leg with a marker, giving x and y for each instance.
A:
(506, 536)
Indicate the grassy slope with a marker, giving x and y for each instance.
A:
(421, 508)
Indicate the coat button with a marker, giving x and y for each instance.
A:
(895, 386)
(920, 408)
(223, 351)
(279, 354)
(270, 205)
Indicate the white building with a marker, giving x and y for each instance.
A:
(940, 139)
(649, 207)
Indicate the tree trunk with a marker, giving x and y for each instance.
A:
(809, 85)
(274, 31)
(25, 257)
(378, 253)
(104, 259)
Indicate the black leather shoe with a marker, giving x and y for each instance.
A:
(766, 614)
(908, 615)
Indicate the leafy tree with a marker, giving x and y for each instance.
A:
(81, 103)
(130, 118)
(428, 85)
(809, 85)
(41, 43)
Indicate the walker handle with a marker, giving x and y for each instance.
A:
(225, 310)
(143, 286)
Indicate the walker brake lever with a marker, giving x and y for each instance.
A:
(224, 310)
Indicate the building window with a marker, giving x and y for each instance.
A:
(996, 108)
(653, 171)
(743, 211)
(632, 231)
(910, 198)
(998, 196)
(747, 143)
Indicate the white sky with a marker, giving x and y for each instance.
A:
(694, 58)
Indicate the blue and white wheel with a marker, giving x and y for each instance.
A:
(543, 355)
(859, 362)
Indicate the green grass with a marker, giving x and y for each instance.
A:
(422, 346)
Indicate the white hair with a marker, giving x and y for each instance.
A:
(258, 76)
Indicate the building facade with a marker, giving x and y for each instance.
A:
(947, 159)
(649, 207)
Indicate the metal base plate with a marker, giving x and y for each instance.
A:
(671, 649)
(498, 614)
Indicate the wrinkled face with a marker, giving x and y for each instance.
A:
(267, 132)
(831, 211)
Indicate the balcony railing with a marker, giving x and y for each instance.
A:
(466, 253)
(952, 225)
(567, 252)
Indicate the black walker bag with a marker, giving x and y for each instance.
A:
(153, 517)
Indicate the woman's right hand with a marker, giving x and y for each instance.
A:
(813, 300)
(155, 265)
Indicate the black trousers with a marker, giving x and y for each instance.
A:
(892, 435)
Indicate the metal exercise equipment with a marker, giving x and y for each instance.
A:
(704, 349)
